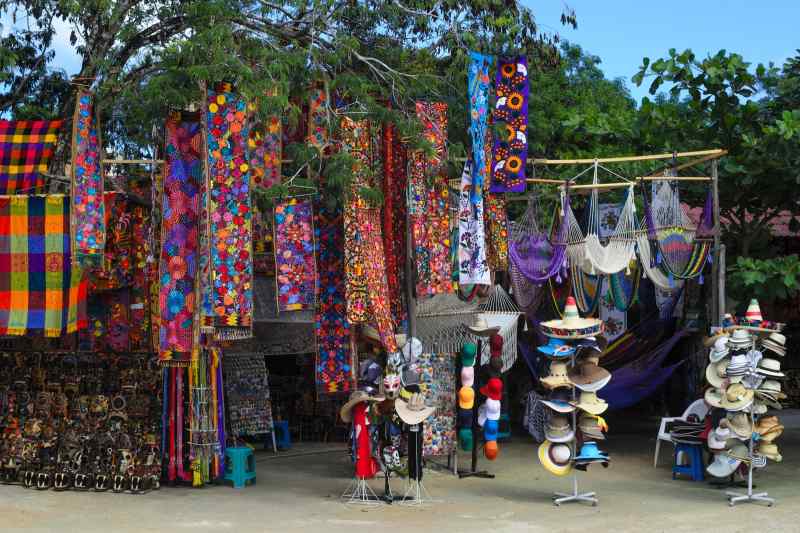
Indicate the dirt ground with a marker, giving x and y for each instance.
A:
(302, 494)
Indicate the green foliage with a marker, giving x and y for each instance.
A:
(770, 279)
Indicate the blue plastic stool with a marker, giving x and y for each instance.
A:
(284, 438)
(693, 453)
(240, 466)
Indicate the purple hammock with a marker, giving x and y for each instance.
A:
(535, 256)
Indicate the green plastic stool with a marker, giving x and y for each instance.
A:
(240, 466)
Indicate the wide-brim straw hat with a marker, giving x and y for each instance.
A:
(713, 397)
(589, 402)
(589, 377)
(559, 401)
(715, 373)
(719, 350)
(558, 376)
(556, 458)
(572, 326)
(480, 328)
(356, 397)
(414, 410)
(737, 397)
(740, 338)
(776, 343)
(717, 441)
(741, 424)
(770, 367)
(770, 451)
(560, 433)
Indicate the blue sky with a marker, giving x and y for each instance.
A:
(622, 32)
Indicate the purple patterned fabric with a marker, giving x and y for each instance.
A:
(536, 257)
(511, 112)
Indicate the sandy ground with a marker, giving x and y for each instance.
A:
(302, 494)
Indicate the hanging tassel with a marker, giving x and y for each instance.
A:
(701, 279)
(710, 258)
(558, 278)
(658, 258)
(671, 280)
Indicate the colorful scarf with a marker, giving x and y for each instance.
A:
(88, 207)
(183, 178)
(433, 116)
(318, 136)
(333, 369)
(230, 216)
(478, 92)
(264, 144)
(41, 290)
(472, 266)
(26, 147)
(394, 217)
(511, 110)
(495, 222)
(296, 271)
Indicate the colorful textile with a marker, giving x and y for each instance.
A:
(88, 207)
(394, 217)
(265, 152)
(296, 271)
(430, 231)
(116, 269)
(333, 369)
(438, 386)
(26, 147)
(495, 222)
(369, 230)
(433, 116)
(355, 140)
(318, 135)
(478, 93)
(511, 111)
(183, 177)
(473, 269)
(143, 273)
(109, 322)
(230, 216)
(263, 245)
(41, 290)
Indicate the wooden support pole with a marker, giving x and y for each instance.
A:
(717, 269)
(673, 178)
(721, 296)
(653, 157)
(132, 161)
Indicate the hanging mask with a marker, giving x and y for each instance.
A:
(391, 458)
(391, 386)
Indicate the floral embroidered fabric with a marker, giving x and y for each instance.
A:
(318, 135)
(478, 93)
(394, 217)
(511, 110)
(88, 207)
(230, 215)
(295, 267)
(265, 151)
(473, 269)
(496, 226)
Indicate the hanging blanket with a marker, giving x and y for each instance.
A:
(511, 111)
(263, 245)
(116, 269)
(26, 147)
(472, 265)
(478, 93)
(369, 230)
(333, 370)
(394, 217)
(318, 135)
(433, 116)
(265, 152)
(230, 216)
(496, 227)
(296, 271)
(143, 273)
(183, 177)
(88, 207)
(41, 290)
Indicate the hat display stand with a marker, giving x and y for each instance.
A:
(476, 430)
(416, 495)
(360, 493)
(575, 495)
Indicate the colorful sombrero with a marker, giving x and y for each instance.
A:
(572, 326)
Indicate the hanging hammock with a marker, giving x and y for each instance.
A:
(500, 310)
(645, 248)
(536, 256)
(528, 295)
(621, 248)
(624, 287)
(683, 249)
(587, 289)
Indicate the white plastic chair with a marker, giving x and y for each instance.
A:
(697, 407)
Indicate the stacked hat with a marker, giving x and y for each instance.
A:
(574, 348)
(753, 313)
(720, 349)
(489, 416)
(466, 396)
(686, 431)
(775, 343)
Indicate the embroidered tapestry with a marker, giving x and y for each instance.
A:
(41, 290)
(511, 111)
(26, 147)
(318, 135)
(263, 245)
(473, 269)
(394, 217)
(88, 206)
(433, 116)
(495, 222)
(183, 177)
(265, 151)
(295, 267)
(478, 94)
(438, 386)
(333, 369)
(230, 215)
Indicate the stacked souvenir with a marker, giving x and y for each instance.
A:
(466, 396)
(574, 423)
(744, 375)
(489, 412)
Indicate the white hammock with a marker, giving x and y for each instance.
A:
(500, 310)
(621, 248)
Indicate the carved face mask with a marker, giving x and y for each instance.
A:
(391, 386)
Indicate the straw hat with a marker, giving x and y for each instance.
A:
(770, 367)
(558, 429)
(776, 343)
(770, 451)
(589, 377)
(717, 439)
(741, 424)
(726, 463)
(556, 458)
(558, 376)
(480, 327)
(713, 397)
(737, 397)
(414, 410)
(719, 350)
(740, 338)
(560, 400)
(753, 313)
(589, 402)
(372, 334)
(356, 397)
(572, 326)
(592, 427)
(770, 428)
(716, 372)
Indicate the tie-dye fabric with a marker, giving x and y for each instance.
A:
(511, 110)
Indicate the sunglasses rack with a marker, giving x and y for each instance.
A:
(750, 496)
(575, 495)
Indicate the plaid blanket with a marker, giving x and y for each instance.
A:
(40, 289)
(26, 147)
